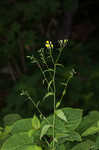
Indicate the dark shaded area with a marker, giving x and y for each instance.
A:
(24, 27)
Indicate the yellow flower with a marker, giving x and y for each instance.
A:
(49, 44)
(66, 40)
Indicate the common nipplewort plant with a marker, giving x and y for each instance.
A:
(65, 128)
(51, 86)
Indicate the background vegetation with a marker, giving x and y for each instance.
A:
(24, 27)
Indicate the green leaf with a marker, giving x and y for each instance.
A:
(1, 128)
(44, 130)
(5, 133)
(61, 147)
(64, 125)
(48, 94)
(58, 104)
(35, 123)
(34, 147)
(97, 143)
(87, 145)
(22, 125)
(68, 136)
(88, 121)
(35, 134)
(92, 130)
(17, 142)
(74, 117)
(61, 115)
(11, 118)
(8, 129)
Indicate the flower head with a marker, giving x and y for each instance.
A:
(49, 44)
(63, 42)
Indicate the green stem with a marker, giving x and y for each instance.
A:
(48, 68)
(30, 98)
(51, 56)
(44, 74)
(54, 105)
(58, 57)
(70, 77)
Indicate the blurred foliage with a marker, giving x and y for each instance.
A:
(23, 27)
(83, 89)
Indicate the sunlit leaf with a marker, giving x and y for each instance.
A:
(18, 141)
(33, 147)
(58, 104)
(44, 130)
(92, 130)
(35, 123)
(22, 125)
(61, 115)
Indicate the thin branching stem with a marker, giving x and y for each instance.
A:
(30, 98)
(58, 57)
(65, 87)
(44, 75)
(51, 56)
(48, 72)
(54, 105)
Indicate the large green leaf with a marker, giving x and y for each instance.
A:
(61, 147)
(88, 121)
(22, 125)
(87, 145)
(11, 118)
(92, 130)
(35, 134)
(18, 141)
(72, 118)
(68, 136)
(96, 146)
(64, 127)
